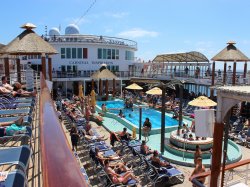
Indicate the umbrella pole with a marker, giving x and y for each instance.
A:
(163, 119)
(180, 108)
(140, 120)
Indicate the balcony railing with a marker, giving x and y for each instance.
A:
(59, 166)
(233, 175)
(219, 76)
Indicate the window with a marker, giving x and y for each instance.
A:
(74, 68)
(113, 53)
(109, 54)
(99, 53)
(79, 52)
(63, 53)
(73, 52)
(69, 68)
(63, 68)
(104, 54)
(68, 53)
(85, 53)
(117, 54)
(129, 55)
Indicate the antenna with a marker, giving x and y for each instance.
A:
(85, 13)
(46, 30)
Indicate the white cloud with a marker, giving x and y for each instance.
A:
(117, 15)
(137, 33)
(108, 30)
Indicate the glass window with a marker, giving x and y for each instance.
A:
(74, 68)
(108, 67)
(109, 54)
(85, 52)
(117, 54)
(69, 68)
(73, 52)
(113, 53)
(62, 52)
(129, 55)
(99, 55)
(117, 68)
(104, 54)
(68, 52)
(79, 52)
(63, 68)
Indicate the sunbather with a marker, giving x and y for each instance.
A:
(117, 178)
(18, 121)
(145, 149)
(101, 158)
(155, 160)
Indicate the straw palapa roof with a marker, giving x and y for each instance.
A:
(103, 74)
(28, 42)
(230, 53)
(1, 45)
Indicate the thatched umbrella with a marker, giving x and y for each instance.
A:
(202, 101)
(104, 73)
(1, 45)
(230, 54)
(29, 43)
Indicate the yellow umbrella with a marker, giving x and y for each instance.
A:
(202, 101)
(134, 87)
(93, 100)
(154, 91)
(80, 91)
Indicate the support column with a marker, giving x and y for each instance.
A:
(113, 87)
(50, 68)
(18, 69)
(213, 74)
(7, 68)
(100, 87)
(43, 59)
(92, 84)
(163, 118)
(217, 152)
(107, 89)
(225, 73)
(245, 70)
(84, 88)
(234, 74)
(121, 87)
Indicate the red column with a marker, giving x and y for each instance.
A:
(7, 68)
(234, 74)
(107, 89)
(100, 87)
(213, 73)
(225, 73)
(18, 69)
(44, 67)
(245, 70)
(113, 87)
(50, 68)
(92, 85)
(217, 152)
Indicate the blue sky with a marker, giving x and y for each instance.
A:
(158, 26)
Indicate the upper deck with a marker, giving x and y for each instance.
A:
(91, 39)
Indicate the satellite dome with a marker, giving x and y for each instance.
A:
(54, 31)
(72, 29)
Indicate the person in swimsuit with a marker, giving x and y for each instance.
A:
(155, 160)
(145, 149)
(199, 168)
(197, 154)
(117, 178)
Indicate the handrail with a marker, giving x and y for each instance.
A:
(59, 167)
(227, 167)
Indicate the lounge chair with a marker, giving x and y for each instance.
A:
(14, 105)
(16, 156)
(15, 178)
(15, 112)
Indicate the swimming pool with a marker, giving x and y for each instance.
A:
(133, 115)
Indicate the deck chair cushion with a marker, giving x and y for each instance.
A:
(2, 131)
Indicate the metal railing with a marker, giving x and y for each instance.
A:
(232, 175)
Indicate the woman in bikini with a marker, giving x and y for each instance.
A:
(116, 178)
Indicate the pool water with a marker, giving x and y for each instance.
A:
(133, 115)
